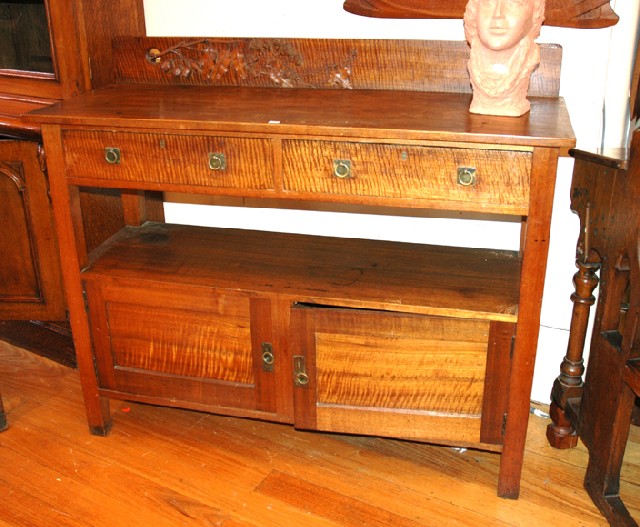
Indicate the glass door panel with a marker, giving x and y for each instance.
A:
(25, 41)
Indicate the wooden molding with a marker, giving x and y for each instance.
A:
(585, 14)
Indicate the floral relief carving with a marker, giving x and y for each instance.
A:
(275, 61)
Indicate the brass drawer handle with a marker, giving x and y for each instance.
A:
(217, 161)
(112, 155)
(466, 176)
(342, 168)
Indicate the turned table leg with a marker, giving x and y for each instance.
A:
(561, 432)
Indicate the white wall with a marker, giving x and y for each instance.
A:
(585, 79)
(595, 84)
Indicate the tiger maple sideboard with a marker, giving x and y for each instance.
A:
(430, 343)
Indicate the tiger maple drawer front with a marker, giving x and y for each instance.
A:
(166, 159)
(391, 374)
(473, 179)
(181, 345)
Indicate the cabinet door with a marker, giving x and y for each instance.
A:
(400, 375)
(183, 346)
(30, 282)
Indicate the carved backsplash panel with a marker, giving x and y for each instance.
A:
(422, 65)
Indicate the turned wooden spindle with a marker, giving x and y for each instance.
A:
(568, 385)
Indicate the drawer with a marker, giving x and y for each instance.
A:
(472, 179)
(402, 375)
(165, 159)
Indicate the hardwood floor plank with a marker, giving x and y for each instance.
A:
(328, 503)
(168, 467)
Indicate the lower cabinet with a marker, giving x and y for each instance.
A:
(348, 370)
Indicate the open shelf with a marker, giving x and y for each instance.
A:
(370, 274)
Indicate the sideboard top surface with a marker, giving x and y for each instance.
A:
(378, 114)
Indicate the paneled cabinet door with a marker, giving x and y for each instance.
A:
(181, 345)
(398, 374)
(30, 282)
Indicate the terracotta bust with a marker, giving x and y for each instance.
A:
(503, 53)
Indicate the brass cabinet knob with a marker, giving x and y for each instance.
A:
(466, 176)
(112, 155)
(342, 168)
(217, 161)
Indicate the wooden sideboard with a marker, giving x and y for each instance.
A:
(422, 342)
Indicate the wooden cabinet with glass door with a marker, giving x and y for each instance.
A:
(55, 50)
(49, 51)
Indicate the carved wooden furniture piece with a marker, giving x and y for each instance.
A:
(587, 14)
(606, 194)
(44, 57)
(30, 280)
(79, 29)
(356, 336)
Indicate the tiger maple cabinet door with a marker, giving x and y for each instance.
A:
(183, 346)
(395, 374)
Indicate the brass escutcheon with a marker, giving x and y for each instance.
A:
(342, 168)
(112, 155)
(300, 377)
(217, 161)
(466, 176)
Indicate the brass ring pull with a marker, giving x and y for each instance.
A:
(342, 168)
(217, 161)
(268, 359)
(301, 379)
(112, 155)
(466, 176)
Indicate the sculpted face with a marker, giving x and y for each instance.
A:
(503, 23)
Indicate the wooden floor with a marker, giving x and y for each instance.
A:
(166, 467)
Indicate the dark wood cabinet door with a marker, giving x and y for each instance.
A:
(30, 282)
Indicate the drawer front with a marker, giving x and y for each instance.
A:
(182, 346)
(481, 179)
(400, 375)
(165, 159)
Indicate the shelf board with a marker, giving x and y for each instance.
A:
(342, 272)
